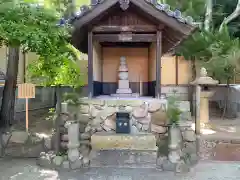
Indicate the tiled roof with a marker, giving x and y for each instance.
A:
(161, 7)
(175, 14)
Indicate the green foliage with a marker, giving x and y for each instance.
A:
(52, 114)
(173, 111)
(217, 51)
(32, 27)
(56, 69)
(222, 9)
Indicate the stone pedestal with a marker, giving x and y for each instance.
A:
(73, 141)
(123, 87)
(204, 106)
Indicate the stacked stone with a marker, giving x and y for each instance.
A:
(177, 150)
(176, 145)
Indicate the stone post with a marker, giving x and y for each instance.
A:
(64, 107)
(73, 141)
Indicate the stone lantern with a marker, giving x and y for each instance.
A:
(205, 82)
(2, 78)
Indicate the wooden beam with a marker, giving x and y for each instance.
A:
(90, 64)
(125, 44)
(138, 28)
(125, 37)
(158, 63)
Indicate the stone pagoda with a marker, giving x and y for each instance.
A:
(123, 82)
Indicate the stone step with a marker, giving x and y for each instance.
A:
(124, 159)
(113, 141)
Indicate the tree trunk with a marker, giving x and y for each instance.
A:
(192, 88)
(208, 15)
(9, 92)
(231, 17)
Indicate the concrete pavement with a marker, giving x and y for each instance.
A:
(26, 169)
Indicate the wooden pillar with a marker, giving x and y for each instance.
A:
(158, 64)
(90, 64)
(177, 62)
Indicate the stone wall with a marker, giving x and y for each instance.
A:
(176, 146)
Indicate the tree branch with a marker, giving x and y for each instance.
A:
(208, 15)
(231, 17)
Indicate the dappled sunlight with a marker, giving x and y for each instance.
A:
(49, 174)
(42, 135)
(228, 129)
(204, 131)
(16, 175)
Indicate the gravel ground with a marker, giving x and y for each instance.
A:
(26, 169)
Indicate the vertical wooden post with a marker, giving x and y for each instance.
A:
(197, 109)
(90, 64)
(27, 114)
(176, 58)
(197, 117)
(158, 64)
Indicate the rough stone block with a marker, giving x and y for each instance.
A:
(140, 112)
(19, 137)
(83, 118)
(181, 167)
(103, 141)
(76, 164)
(94, 112)
(189, 135)
(159, 118)
(154, 106)
(66, 165)
(5, 138)
(92, 101)
(124, 158)
(168, 166)
(44, 161)
(86, 161)
(57, 160)
(158, 129)
(194, 158)
(190, 147)
(28, 150)
(84, 109)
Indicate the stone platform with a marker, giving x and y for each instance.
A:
(140, 142)
(123, 150)
(124, 159)
(152, 142)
